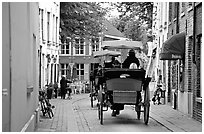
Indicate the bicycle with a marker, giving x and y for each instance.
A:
(157, 95)
(46, 106)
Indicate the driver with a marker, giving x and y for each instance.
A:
(131, 59)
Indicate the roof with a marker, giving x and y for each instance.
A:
(110, 30)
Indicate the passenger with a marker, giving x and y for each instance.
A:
(98, 79)
(115, 62)
(131, 59)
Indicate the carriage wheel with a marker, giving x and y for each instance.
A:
(138, 110)
(146, 113)
(91, 95)
(146, 105)
(91, 100)
(101, 111)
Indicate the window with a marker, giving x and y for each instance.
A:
(53, 29)
(64, 69)
(80, 71)
(197, 59)
(190, 4)
(170, 11)
(183, 6)
(95, 44)
(175, 9)
(48, 27)
(56, 38)
(79, 46)
(65, 48)
(41, 22)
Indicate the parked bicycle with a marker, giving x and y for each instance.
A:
(45, 105)
(157, 95)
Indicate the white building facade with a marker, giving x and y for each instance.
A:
(49, 16)
(20, 45)
(160, 30)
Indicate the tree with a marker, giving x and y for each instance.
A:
(80, 19)
(138, 10)
(135, 21)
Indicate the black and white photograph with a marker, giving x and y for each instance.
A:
(101, 66)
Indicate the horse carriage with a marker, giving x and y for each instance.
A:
(123, 86)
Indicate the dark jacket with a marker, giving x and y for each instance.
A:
(130, 59)
(63, 83)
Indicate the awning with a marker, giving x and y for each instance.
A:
(106, 53)
(173, 48)
(121, 44)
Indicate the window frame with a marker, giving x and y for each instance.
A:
(79, 48)
(79, 70)
(64, 51)
(95, 44)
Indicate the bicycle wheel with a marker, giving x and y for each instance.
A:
(50, 113)
(91, 95)
(43, 108)
(146, 106)
(101, 112)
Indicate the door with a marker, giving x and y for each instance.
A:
(6, 75)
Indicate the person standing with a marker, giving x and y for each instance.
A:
(55, 89)
(63, 85)
(49, 91)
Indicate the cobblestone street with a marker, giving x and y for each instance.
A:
(76, 115)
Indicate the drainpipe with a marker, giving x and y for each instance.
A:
(194, 38)
(178, 64)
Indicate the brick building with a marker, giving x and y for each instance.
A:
(184, 81)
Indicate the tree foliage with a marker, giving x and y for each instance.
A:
(135, 21)
(80, 19)
(136, 10)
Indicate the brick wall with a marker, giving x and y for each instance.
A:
(197, 106)
(192, 71)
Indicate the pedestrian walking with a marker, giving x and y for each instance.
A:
(63, 85)
(55, 89)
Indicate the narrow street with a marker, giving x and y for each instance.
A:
(76, 115)
(87, 120)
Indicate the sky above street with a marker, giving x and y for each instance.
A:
(113, 13)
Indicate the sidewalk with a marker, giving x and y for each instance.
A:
(65, 120)
(171, 118)
(174, 120)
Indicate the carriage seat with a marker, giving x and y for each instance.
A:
(124, 79)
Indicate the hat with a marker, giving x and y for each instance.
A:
(131, 51)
